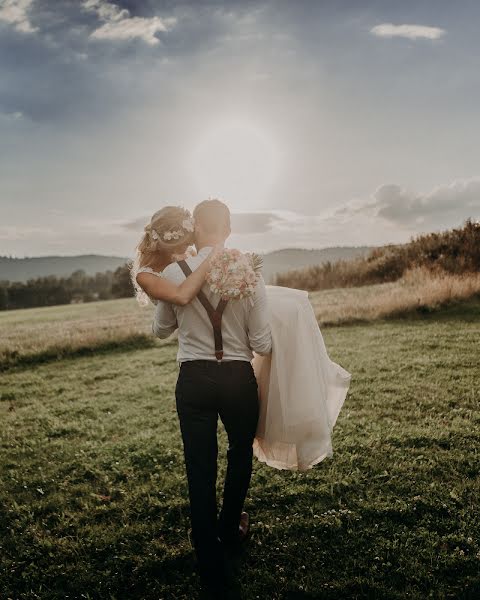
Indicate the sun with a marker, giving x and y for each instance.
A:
(237, 161)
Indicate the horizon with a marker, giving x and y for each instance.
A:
(117, 256)
(319, 125)
(298, 248)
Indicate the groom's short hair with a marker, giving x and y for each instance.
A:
(213, 215)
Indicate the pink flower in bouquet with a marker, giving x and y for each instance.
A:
(234, 275)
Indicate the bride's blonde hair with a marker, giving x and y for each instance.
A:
(169, 231)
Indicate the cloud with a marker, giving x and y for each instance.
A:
(15, 233)
(12, 116)
(411, 32)
(445, 205)
(242, 222)
(136, 224)
(106, 10)
(15, 12)
(248, 223)
(127, 29)
(391, 214)
(266, 230)
(120, 25)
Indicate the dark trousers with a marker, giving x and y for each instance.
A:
(206, 389)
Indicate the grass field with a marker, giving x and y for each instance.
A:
(36, 335)
(93, 494)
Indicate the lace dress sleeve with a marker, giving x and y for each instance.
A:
(141, 292)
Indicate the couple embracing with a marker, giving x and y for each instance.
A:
(256, 359)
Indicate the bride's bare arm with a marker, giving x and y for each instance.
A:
(162, 289)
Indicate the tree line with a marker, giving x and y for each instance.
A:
(77, 287)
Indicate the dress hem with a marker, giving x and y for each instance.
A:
(281, 466)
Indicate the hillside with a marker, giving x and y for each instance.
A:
(22, 269)
(455, 251)
(280, 261)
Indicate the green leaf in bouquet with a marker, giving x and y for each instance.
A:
(257, 261)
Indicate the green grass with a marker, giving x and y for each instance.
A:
(93, 492)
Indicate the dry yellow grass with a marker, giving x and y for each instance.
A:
(73, 327)
(32, 334)
(418, 288)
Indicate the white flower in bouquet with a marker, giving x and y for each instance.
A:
(234, 275)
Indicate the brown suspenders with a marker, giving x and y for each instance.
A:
(214, 314)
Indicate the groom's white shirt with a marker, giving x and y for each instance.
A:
(245, 325)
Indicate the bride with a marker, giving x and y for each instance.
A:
(154, 253)
(301, 391)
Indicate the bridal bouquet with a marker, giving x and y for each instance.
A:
(234, 274)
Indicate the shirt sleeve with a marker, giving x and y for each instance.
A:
(164, 320)
(258, 325)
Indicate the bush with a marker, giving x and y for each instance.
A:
(455, 251)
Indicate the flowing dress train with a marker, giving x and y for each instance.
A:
(301, 390)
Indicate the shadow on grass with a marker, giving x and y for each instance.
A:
(13, 360)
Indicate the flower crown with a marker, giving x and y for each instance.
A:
(187, 226)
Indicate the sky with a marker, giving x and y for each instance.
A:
(319, 123)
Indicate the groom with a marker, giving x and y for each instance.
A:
(207, 388)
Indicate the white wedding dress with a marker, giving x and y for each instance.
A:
(301, 390)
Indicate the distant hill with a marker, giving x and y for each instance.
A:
(287, 259)
(279, 261)
(22, 269)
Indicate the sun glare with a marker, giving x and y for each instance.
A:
(237, 161)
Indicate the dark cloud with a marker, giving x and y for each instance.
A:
(75, 63)
(47, 75)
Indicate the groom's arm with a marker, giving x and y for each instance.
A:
(259, 332)
(164, 320)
